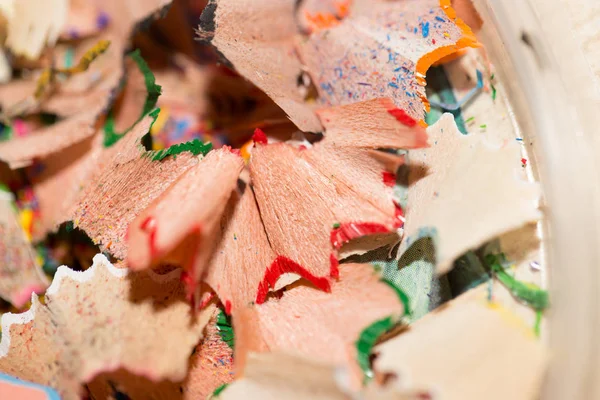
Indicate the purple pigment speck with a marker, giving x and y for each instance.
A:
(102, 20)
(73, 34)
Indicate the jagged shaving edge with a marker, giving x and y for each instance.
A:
(10, 319)
(63, 272)
(83, 276)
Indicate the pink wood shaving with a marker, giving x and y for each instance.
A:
(20, 275)
(369, 124)
(180, 226)
(300, 205)
(320, 326)
(264, 53)
(241, 258)
(22, 151)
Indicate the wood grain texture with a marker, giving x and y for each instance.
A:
(299, 206)
(22, 151)
(121, 184)
(50, 344)
(468, 349)
(356, 169)
(181, 225)
(370, 124)
(243, 254)
(58, 186)
(210, 366)
(264, 52)
(317, 325)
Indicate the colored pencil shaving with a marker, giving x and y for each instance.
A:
(235, 191)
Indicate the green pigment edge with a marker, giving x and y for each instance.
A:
(219, 390)
(528, 293)
(225, 329)
(368, 337)
(153, 93)
(401, 295)
(195, 146)
(366, 341)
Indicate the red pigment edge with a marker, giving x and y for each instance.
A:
(190, 286)
(189, 282)
(207, 300)
(421, 138)
(259, 137)
(353, 230)
(228, 307)
(282, 265)
(334, 270)
(149, 226)
(402, 117)
(389, 178)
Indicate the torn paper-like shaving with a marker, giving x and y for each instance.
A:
(210, 366)
(9, 319)
(463, 178)
(322, 326)
(83, 276)
(33, 24)
(50, 343)
(381, 49)
(483, 342)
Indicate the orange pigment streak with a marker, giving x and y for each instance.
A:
(468, 39)
(319, 21)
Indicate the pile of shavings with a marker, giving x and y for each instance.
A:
(261, 199)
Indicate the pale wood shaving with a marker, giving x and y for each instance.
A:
(299, 206)
(51, 344)
(210, 366)
(445, 190)
(23, 151)
(469, 349)
(369, 124)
